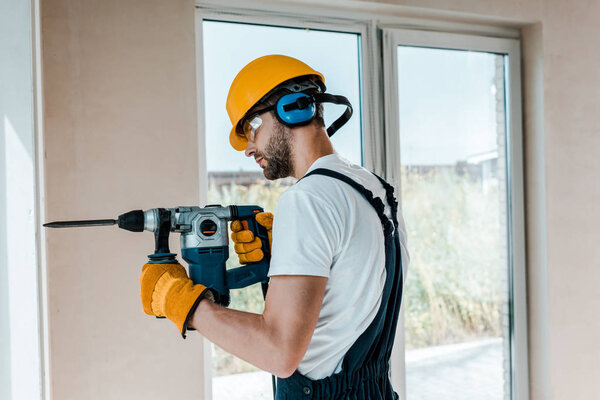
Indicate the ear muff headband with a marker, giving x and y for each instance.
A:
(335, 99)
(297, 109)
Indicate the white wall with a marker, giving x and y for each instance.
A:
(20, 360)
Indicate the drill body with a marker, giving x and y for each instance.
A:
(204, 242)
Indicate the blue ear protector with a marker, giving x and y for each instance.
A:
(297, 109)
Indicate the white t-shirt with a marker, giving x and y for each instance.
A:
(325, 227)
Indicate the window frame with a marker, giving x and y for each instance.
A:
(378, 26)
(394, 37)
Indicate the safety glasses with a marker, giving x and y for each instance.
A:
(251, 123)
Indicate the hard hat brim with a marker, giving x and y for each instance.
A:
(238, 142)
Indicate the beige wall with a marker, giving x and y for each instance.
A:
(119, 88)
(120, 134)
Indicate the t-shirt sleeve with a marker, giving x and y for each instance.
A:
(306, 235)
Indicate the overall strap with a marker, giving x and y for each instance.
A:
(396, 295)
(388, 227)
(391, 199)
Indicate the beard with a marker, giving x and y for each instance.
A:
(278, 154)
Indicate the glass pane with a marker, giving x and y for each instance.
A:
(236, 179)
(454, 191)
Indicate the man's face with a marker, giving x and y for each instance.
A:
(272, 148)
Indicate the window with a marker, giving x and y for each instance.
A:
(233, 178)
(461, 200)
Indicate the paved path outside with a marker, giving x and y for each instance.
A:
(466, 371)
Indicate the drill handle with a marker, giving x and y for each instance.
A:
(260, 232)
(247, 275)
(162, 254)
(247, 215)
(161, 235)
(255, 272)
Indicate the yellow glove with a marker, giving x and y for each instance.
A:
(166, 291)
(246, 245)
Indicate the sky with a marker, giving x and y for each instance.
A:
(447, 101)
(447, 105)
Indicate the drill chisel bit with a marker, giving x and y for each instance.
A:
(73, 224)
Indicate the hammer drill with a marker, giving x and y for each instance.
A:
(204, 242)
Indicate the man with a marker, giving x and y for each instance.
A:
(337, 249)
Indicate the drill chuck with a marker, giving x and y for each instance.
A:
(132, 221)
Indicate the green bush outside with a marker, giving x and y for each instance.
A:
(454, 286)
(454, 290)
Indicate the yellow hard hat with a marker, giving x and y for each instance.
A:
(257, 79)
